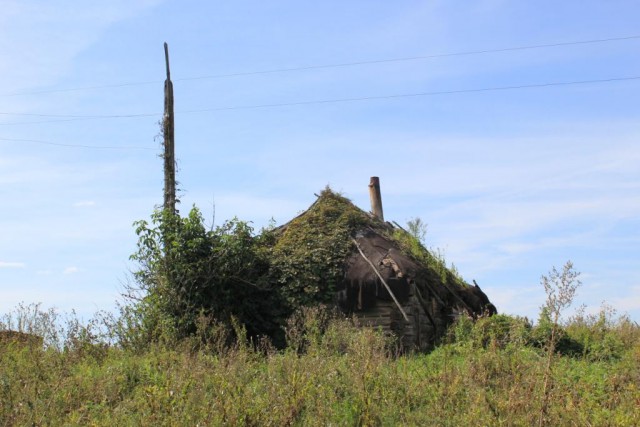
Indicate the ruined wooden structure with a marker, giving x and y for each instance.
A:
(389, 280)
(418, 302)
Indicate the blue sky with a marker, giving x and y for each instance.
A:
(510, 182)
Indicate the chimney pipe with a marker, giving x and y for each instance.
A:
(376, 198)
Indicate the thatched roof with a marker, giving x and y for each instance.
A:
(326, 254)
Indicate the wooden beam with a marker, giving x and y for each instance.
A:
(382, 280)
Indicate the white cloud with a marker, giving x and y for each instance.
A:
(70, 270)
(629, 302)
(8, 264)
(520, 300)
(84, 203)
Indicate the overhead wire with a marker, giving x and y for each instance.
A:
(410, 58)
(369, 98)
(324, 101)
(80, 116)
(100, 147)
(49, 121)
(323, 66)
(70, 117)
(408, 95)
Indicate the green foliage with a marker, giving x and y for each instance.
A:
(498, 331)
(602, 336)
(410, 242)
(307, 261)
(417, 228)
(62, 333)
(560, 287)
(188, 272)
(345, 376)
(502, 331)
(551, 336)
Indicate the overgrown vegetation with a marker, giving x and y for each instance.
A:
(487, 372)
(308, 259)
(412, 242)
(225, 327)
(188, 274)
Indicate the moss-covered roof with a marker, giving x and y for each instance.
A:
(310, 253)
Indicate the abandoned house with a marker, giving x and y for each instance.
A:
(335, 252)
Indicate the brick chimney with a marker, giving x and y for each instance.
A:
(376, 198)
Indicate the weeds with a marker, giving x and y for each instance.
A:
(332, 372)
(560, 288)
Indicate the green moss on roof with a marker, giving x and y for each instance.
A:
(411, 246)
(309, 255)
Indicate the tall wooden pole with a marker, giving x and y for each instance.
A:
(169, 143)
(376, 197)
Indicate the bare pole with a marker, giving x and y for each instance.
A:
(168, 141)
(376, 198)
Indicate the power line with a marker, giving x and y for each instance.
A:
(323, 66)
(101, 147)
(410, 58)
(51, 121)
(330, 101)
(80, 116)
(409, 95)
(327, 101)
(70, 118)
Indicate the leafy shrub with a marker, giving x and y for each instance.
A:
(601, 336)
(498, 331)
(553, 337)
(187, 272)
(502, 331)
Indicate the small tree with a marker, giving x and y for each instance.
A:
(560, 287)
(417, 228)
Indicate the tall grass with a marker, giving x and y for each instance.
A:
(488, 372)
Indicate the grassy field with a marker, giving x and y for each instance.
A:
(491, 372)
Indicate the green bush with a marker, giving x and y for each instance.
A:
(601, 336)
(187, 272)
(346, 376)
(542, 336)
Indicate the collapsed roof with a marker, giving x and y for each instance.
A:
(335, 252)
